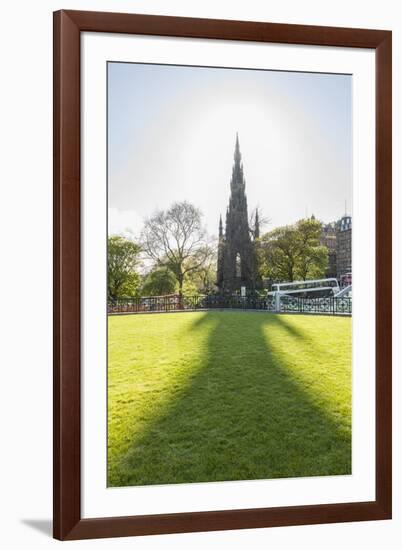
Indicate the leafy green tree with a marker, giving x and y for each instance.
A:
(123, 260)
(313, 258)
(131, 286)
(293, 252)
(159, 282)
(190, 288)
(203, 278)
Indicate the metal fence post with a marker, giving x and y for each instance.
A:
(277, 302)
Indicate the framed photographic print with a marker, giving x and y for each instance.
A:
(222, 268)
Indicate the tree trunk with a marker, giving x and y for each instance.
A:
(180, 280)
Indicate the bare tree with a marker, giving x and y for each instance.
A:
(175, 238)
(257, 218)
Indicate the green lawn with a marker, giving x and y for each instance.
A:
(211, 396)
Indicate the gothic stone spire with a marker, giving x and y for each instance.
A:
(256, 225)
(220, 228)
(221, 253)
(237, 183)
(236, 261)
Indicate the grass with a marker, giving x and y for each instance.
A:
(211, 396)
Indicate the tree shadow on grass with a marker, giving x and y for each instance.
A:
(243, 415)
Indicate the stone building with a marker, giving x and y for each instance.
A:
(344, 246)
(237, 261)
(328, 239)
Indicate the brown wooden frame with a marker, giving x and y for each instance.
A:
(67, 475)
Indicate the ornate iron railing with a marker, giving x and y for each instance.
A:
(149, 304)
(329, 305)
(285, 304)
(239, 302)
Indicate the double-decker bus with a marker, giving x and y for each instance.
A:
(317, 288)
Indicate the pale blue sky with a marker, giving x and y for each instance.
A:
(171, 134)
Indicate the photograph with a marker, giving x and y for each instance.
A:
(207, 197)
(229, 274)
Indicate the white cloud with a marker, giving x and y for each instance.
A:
(124, 222)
